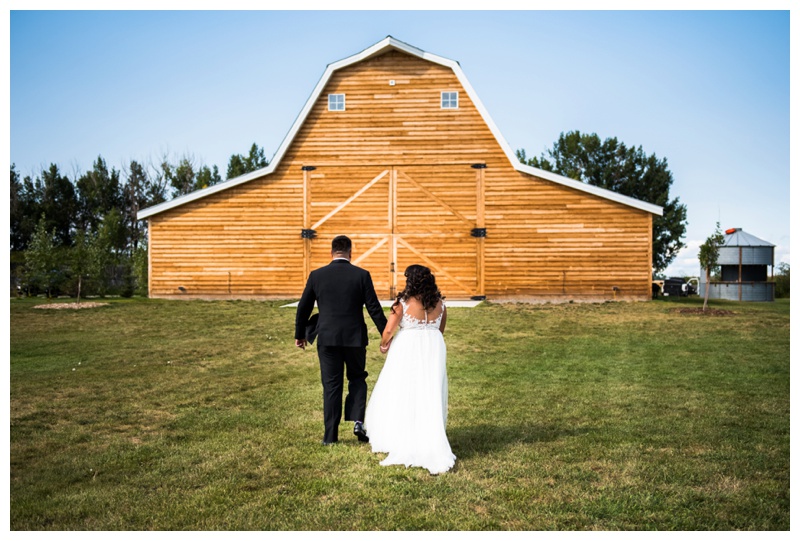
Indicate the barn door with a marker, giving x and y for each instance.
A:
(397, 216)
(438, 222)
(352, 201)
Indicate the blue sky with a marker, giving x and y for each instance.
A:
(707, 90)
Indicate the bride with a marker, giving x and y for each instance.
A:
(407, 411)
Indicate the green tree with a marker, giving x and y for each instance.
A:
(42, 258)
(25, 210)
(782, 288)
(15, 202)
(236, 166)
(140, 268)
(239, 165)
(99, 191)
(183, 177)
(134, 198)
(256, 158)
(614, 166)
(207, 177)
(83, 259)
(110, 251)
(58, 203)
(156, 186)
(708, 256)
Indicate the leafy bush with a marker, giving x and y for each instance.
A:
(782, 281)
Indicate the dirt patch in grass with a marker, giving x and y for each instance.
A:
(706, 312)
(71, 305)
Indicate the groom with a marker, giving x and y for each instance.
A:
(341, 290)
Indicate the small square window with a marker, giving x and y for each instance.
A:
(449, 100)
(335, 102)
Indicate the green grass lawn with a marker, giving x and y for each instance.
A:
(170, 415)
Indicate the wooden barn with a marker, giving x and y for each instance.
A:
(395, 150)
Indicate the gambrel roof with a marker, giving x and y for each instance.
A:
(383, 46)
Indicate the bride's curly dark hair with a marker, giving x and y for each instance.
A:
(420, 283)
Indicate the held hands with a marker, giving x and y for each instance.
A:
(385, 348)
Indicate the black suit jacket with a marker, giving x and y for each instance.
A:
(341, 290)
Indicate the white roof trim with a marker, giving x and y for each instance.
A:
(379, 48)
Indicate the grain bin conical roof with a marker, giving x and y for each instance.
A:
(737, 237)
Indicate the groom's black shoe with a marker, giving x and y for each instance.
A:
(359, 431)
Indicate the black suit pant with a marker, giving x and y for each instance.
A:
(333, 360)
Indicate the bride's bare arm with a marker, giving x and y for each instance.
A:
(391, 325)
(444, 319)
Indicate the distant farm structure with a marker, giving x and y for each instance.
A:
(743, 259)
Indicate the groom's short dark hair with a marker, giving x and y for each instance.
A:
(341, 244)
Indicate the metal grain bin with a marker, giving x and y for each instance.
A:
(752, 250)
(749, 291)
(744, 259)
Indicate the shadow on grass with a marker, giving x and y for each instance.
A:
(483, 439)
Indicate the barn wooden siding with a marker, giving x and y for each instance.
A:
(409, 182)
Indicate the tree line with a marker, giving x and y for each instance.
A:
(80, 235)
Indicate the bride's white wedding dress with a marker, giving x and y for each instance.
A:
(407, 411)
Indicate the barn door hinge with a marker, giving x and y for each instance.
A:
(392, 267)
(478, 232)
(308, 234)
(308, 168)
(478, 166)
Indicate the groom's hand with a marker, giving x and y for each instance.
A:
(300, 343)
